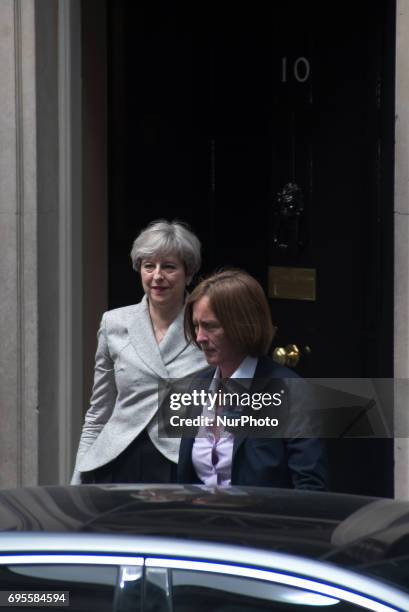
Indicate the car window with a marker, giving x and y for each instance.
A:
(129, 590)
(172, 590)
(90, 587)
(157, 595)
(223, 593)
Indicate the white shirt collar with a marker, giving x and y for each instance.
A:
(245, 371)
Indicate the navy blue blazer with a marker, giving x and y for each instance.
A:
(299, 463)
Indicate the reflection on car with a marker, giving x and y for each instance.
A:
(158, 548)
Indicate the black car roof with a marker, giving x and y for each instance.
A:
(346, 529)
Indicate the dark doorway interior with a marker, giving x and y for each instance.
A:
(212, 114)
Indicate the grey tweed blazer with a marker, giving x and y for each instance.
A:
(128, 366)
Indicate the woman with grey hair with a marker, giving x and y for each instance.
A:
(139, 347)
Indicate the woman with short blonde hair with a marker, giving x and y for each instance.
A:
(139, 348)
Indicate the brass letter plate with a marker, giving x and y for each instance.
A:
(292, 283)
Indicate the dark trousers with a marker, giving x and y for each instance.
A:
(140, 462)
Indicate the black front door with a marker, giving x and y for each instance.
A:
(213, 116)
